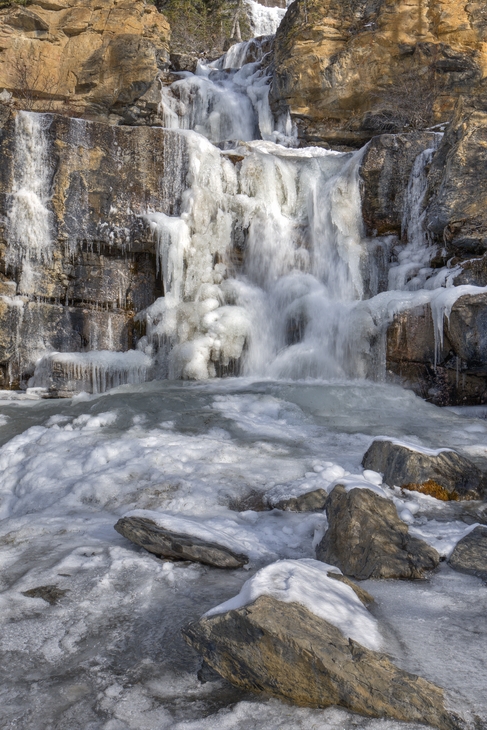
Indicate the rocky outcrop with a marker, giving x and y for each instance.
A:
(366, 538)
(444, 474)
(284, 650)
(470, 553)
(168, 544)
(79, 281)
(353, 69)
(84, 58)
(447, 372)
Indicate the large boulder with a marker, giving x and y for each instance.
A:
(285, 650)
(366, 538)
(179, 546)
(351, 70)
(470, 553)
(83, 57)
(442, 473)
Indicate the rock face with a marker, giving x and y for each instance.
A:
(366, 538)
(168, 544)
(470, 553)
(284, 650)
(443, 474)
(79, 281)
(456, 214)
(455, 370)
(81, 57)
(353, 69)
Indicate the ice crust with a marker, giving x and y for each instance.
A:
(307, 582)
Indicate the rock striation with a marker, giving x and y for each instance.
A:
(84, 58)
(169, 544)
(348, 71)
(366, 538)
(78, 283)
(286, 651)
(444, 474)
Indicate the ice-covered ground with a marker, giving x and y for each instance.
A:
(108, 654)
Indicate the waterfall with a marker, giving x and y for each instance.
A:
(29, 220)
(264, 20)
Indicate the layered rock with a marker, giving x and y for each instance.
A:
(366, 538)
(84, 58)
(77, 261)
(443, 474)
(170, 544)
(354, 69)
(286, 651)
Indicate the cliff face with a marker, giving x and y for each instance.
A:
(81, 57)
(351, 69)
(76, 260)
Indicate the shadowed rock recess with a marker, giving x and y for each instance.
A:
(283, 650)
(366, 538)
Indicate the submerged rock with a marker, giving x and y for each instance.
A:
(470, 553)
(286, 651)
(309, 502)
(366, 538)
(50, 593)
(168, 544)
(443, 474)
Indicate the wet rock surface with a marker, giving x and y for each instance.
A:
(284, 650)
(444, 474)
(366, 538)
(168, 544)
(470, 553)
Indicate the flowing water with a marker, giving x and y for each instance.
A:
(267, 274)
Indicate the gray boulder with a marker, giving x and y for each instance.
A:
(470, 553)
(168, 544)
(284, 650)
(445, 475)
(366, 538)
(309, 502)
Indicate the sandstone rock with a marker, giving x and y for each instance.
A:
(80, 56)
(284, 650)
(168, 544)
(452, 372)
(470, 553)
(351, 70)
(444, 474)
(310, 502)
(366, 538)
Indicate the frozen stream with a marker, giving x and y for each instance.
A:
(109, 655)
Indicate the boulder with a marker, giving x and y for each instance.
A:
(366, 538)
(168, 544)
(470, 553)
(443, 474)
(284, 650)
(309, 502)
(84, 58)
(348, 71)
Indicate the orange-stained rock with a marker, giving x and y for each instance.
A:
(82, 57)
(351, 69)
